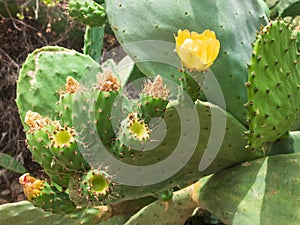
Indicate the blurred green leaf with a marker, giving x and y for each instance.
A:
(10, 163)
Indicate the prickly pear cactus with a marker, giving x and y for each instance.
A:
(94, 186)
(93, 42)
(152, 39)
(113, 158)
(273, 85)
(154, 100)
(108, 89)
(54, 147)
(174, 211)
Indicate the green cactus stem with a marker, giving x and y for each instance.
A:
(38, 143)
(54, 147)
(66, 99)
(93, 42)
(176, 211)
(231, 152)
(87, 12)
(26, 213)
(133, 135)
(65, 150)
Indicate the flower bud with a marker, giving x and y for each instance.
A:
(197, 52)
(31, 186)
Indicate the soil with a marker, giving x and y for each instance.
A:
(17, 39)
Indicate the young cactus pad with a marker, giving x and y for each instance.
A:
(273, 85)
(88, 12)
(54, 147)
(107, 89)
(134, 133)
(65, 150)
(38, 143)
(90, 188)
(41, 194)
(66, 99)
(153, 100)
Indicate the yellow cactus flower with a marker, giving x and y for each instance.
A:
(197, 52)
(31, 186)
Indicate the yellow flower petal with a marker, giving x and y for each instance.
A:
(197, 52)
(182, 36)
(209, 34)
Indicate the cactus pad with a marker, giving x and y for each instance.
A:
(26, 213)
(273, 85)
(263, 191)
(167, 155)
(150, 41)
(44, 75)
(87, 12)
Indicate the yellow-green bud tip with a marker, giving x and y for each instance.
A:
(62, 137)
(137, 127)
(99, 185)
